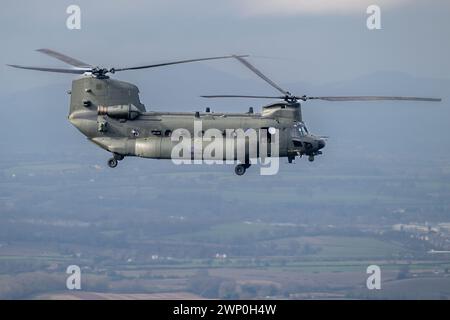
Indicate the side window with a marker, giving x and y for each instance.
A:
(156, 132)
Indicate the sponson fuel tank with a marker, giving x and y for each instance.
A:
(162, 147)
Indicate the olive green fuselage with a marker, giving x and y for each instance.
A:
(111, 115)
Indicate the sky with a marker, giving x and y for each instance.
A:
(316, 42)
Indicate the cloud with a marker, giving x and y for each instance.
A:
(299, 7)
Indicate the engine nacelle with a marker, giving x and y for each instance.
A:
(125, 111)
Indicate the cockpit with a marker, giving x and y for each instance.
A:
(299, 130)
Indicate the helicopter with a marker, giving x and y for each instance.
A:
(110, 114)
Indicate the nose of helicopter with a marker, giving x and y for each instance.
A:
(321, 144)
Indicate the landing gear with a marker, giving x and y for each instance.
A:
(118, 157)
(311, 158)
(113, 162)
(241, 168)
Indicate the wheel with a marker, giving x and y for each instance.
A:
(112, 163)
(239, 169)
(311, 158)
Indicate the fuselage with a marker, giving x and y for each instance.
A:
(111, 115)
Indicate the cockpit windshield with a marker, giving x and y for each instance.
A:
(299, 130)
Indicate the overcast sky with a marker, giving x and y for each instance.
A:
(313, 41)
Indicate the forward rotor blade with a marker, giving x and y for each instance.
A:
(373, 98)
(59, 70)
(261, 75)
(62, 57)
(242, 96)
(173, 62)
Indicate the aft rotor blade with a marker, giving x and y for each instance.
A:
(173, 62)
(59, 70)
(64, 58)
(374, 98)
(242, 96)
(261, 75)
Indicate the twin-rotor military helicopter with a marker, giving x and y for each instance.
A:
(109, 113)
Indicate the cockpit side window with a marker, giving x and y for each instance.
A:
(305, 129)
(302, 132)
(299, 130)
